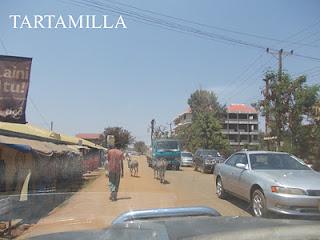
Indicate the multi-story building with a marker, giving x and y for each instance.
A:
(240, 125)
(182, 119)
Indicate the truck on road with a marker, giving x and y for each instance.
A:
(169, 149)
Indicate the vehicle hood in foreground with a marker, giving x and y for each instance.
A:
(304, 179)
(191, 227)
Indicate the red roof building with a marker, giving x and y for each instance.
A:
(240, 126)
(92, 137)
(240, 108)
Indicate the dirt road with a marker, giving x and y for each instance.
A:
(90, 208)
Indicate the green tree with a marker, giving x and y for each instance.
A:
(205, 101)
(205, 132)
(122, 137)
(205, 129)
(160, 132)
(290, 104)
(140, 147)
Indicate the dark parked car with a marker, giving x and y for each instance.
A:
(206, 159)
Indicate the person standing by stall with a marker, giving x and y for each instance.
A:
(115, 170)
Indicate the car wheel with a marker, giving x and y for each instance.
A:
(195, 167)
(219, 189)
(258, 203)
(203, 169)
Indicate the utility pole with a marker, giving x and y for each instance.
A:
(152, 129)
(266, 107)
(170, 127)
(279, 54)
(51, 126)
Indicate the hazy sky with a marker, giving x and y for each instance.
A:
(85, 80)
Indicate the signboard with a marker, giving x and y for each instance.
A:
(270, 138)
(110, 140)
(14, 86)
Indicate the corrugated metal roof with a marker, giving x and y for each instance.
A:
(46, 148)
(32, 132)
(89, 135)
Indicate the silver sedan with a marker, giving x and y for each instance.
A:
(186, 159)
(271, 182)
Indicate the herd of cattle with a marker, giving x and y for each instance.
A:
(159, 168)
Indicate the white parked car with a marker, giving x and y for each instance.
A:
(186, 159)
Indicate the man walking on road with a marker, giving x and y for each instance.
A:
(115, 167)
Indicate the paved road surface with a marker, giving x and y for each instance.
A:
(90, 208)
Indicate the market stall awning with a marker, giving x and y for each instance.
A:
(29, 131)
(27, 145)
(77, 147)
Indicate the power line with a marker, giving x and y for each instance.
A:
(306, 57)
(306, 71)
(231, 85)
(177, 26)
(168, 24)
(291, 36)
(207, 25)
(3, 46)
(309, 37)
(242, 85)
(174, 26)
(304, 29)
(315, 73)
(44, 120)
(243, 73)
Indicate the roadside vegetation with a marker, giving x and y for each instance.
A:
(205, 131)
(293, 116)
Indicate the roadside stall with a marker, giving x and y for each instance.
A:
(30, 171)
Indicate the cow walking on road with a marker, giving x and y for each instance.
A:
(133, 166)
(159, 169)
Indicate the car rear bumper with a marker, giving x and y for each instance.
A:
(294, 204)
(173, 164)
(186, 163)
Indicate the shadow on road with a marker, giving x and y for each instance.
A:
(124, 198)
(246, 207)
(166, 182)
(40, 204)
(240, 203)
(136, 176)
